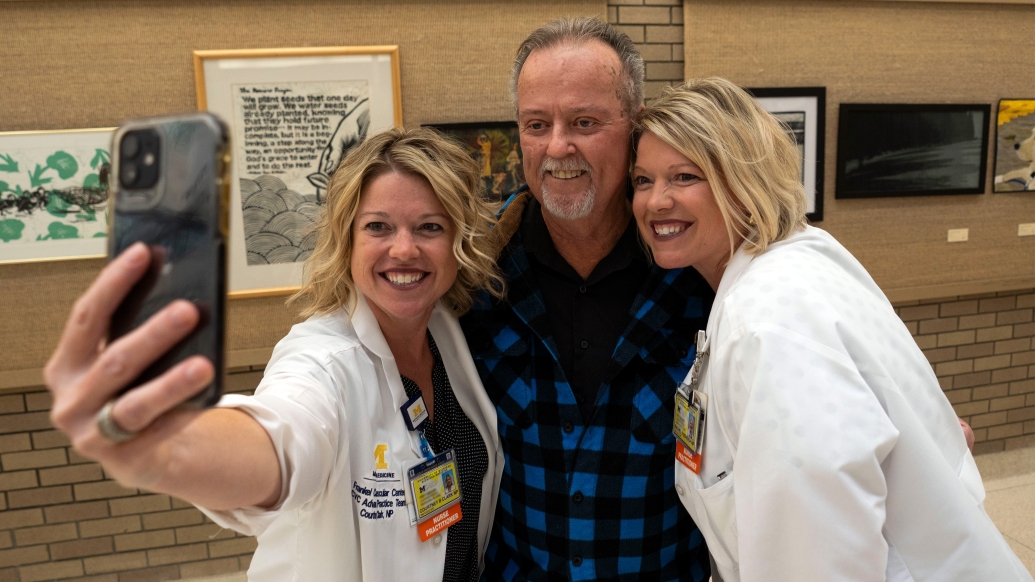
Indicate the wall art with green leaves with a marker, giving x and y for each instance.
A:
(54, 194)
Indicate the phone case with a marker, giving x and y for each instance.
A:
(183, 219)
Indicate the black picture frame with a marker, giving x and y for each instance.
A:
(804, 111)
(934, 150)
(504, 176)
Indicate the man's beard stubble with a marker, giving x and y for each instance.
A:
(567, 207)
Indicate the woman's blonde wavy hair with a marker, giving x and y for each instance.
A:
(455, 179)
(749, 160)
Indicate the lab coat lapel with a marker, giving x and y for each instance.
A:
(369, 333)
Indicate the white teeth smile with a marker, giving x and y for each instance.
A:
(566, 175)
(404, 278)
(669, 229)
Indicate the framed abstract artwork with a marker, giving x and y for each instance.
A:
(803, 110)
(1015, 146)
(495, 145)
(293, 114)
(911, 149)
(54, 194)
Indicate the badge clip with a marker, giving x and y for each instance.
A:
(415, 413)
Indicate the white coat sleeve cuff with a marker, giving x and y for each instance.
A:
(302, 426)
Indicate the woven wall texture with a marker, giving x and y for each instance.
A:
(890, 52)
(94, 63)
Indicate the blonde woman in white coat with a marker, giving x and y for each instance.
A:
(315, 463)
(829, 451)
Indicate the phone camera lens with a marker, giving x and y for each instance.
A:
(130, 146)
(139, 159)
(129, 174)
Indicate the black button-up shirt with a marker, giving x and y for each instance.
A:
(588, 315)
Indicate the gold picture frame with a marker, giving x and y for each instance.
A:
(292, 113)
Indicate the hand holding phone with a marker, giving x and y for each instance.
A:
(146, 338)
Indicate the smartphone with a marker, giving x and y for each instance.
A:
(170, 190)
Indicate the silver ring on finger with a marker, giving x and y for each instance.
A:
(110, 429)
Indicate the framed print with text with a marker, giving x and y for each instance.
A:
(803, 110)
(293, 114)
(54, 194)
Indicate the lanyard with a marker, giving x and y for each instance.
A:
(425, 446)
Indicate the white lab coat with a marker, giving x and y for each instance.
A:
(842, 459)
(330, 401)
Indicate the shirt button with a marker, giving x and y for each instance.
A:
(679, 490)
(582, 289)
(578, 497)
(568, 427)
(584, 344)
(576, 561)
(438, 539)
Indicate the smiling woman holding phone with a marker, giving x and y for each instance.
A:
(369, 450)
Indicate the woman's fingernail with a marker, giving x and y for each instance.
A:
(197, 371)
(136, 254)
(180, 314)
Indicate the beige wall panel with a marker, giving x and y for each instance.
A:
(891, 52)
(94, 63)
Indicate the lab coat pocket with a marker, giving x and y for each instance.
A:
(716, 516)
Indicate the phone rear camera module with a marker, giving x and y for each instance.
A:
(139, 159)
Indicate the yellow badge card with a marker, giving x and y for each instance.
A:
(688, 426)
(435, 485)
(684, 421)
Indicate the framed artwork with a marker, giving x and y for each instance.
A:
(803, 110)
(1015, 146)
(54, 194)
(496, 147)
(293, 114)
(911, 150)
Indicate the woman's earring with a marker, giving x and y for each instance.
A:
(751, 219)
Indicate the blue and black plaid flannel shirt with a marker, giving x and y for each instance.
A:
(596, 500)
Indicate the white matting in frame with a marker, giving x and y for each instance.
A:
(803, 111)
(292, 115)
(53, 204)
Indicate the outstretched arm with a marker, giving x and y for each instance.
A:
(217, 458)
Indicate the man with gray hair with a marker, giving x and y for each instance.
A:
(583, 357)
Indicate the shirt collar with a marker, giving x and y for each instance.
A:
(540, 246)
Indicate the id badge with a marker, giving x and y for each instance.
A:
(688, 426)
(435, 487)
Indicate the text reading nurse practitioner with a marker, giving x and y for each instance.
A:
(829, 452)
(315, 463)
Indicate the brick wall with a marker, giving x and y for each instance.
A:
(656, 26)
(982, 351)
(62, 519)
